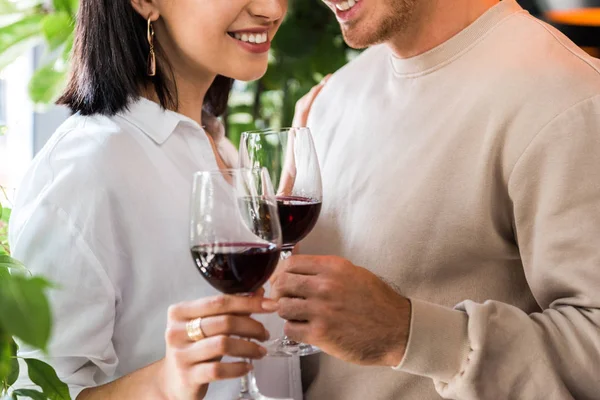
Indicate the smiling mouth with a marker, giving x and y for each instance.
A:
(346, 5)
(251, 37)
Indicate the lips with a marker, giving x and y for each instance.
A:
(346, 10)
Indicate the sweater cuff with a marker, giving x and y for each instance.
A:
(438, 342)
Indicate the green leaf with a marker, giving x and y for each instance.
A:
(61, 5)
(24, 309)
(27, 27)
(66, 53)
(45, 377)
(30, 393)
(68, 6)
(9, 366)
(46, 84)
(5, 357)
(10, 263)
(5, 214)
(57, 28)
(8, 56)
(14, 367)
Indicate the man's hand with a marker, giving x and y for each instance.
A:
(345, 310)
(304, 105)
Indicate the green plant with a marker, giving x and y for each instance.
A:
(25, 24)
(24, 314)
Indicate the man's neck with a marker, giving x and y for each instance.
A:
(435, 22)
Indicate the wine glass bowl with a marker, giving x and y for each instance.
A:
(235, 236)
(290, 156)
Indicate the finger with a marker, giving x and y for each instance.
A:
(235, 325)
(176, 334)
(292, 285)
(305, 264)
(280, 269)
(298, 331)
(217, 305)
(295, 309)
(304, 105)
(218, 371)
(216, 347)
(310, 98)
(317, 89)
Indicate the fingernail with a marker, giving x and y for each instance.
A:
(249, 367)
(262, 351)
(267, 335)
(269, 305)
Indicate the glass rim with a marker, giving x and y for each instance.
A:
(229, 171)
(270, 131)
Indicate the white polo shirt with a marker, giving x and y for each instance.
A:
(103, 212)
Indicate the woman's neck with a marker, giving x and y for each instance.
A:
(190, 95)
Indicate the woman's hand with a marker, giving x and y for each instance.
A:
(189, 366)
(304, 105)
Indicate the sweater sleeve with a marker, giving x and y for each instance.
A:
(497, 351)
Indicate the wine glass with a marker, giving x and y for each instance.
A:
(291, 158)
(235, 237)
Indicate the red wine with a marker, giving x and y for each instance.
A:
(236, 267)
(298, 216)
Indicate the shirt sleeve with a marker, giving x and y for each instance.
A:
(48, 242)
(495, 350)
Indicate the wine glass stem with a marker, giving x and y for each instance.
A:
(286, 252)
(249, 388)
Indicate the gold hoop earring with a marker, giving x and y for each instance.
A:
(151, 70)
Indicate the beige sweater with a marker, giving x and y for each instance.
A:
(469, 176)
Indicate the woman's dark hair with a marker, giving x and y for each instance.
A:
(109, 63)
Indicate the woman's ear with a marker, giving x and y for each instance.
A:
(148, 9)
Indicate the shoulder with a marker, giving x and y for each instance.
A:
(78, 165)
(536, 54)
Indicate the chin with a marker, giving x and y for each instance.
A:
(250, 73)
(357, 39)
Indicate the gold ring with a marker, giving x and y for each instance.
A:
(194, 329)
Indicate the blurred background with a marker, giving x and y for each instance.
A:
(36, 37)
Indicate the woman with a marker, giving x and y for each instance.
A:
(103, 210)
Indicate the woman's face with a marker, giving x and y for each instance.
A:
(216, 37)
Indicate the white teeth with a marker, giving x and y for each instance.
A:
(261, 38)
(346, 5)
(258, 38)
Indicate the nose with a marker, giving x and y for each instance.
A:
(270, 10)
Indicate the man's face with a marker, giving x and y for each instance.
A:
(368, 22)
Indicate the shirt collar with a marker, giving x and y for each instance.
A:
(153, 120)
(457, 45)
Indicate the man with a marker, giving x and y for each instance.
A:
(457, 254)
